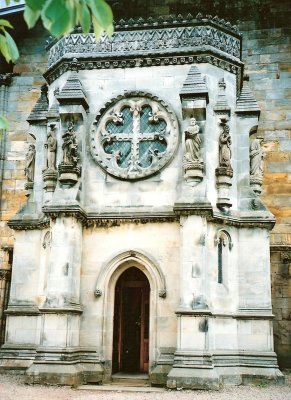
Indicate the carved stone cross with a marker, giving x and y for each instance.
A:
(135, 135)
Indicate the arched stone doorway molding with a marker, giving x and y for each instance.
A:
(151, 267)
(105, 290)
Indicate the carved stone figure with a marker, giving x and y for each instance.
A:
(224, 172)
(224, 147)
(30, 163)
(51, 148)
(256, 158)
(70, 146)
(192, 141)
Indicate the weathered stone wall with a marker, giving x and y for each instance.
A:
(267, 54)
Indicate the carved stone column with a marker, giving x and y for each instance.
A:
(61, 310)
(193, 365)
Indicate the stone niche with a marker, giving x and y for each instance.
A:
(142, 170)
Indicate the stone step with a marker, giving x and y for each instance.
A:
(126, 379)
(130, 382)
(121, 388)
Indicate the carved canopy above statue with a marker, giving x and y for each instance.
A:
(134, 136)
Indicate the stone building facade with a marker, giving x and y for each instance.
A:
(139, 175)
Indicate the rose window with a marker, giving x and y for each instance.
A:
(134, 136)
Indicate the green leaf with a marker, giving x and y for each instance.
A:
(14, 54)
(58, 17)
(3, 123)
(98, 30)
(5, 23)
(30, 16)
(102, 12)
(4, 48)
(109, 30)
(35, 5)
(83, 16)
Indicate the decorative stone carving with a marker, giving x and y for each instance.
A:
(224, 147)
(286, 257)
(50, 173)
(224, 172)
(51, 149)
(246, 103)
(192, 164)
(46, 240)
(194, 95)
(223, 236)
(29, 168)
(5, 79)
(69, 169)
(5, 274)
(256, 164)
(163, 293)
(98, 293)
(141, 44)
(221, 106)
(134, 136)
(39, 111)
(140, 40)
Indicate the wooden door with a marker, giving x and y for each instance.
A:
(131, 323)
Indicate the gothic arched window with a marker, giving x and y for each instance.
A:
(224, 245)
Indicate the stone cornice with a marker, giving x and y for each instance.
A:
(265, 220)
(89, 220)
(240, 314)
(25, 308)
(280, 247)
(138, 43)
(28, 224)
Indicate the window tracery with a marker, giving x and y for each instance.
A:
(135, 136)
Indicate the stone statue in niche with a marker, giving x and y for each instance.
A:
(192, 164)
(70, 147)
(192, 141)
(256, 157)
(51, 149)
(30, 163)
(256, 165)
(69, 170)
(224, 172)
(224, 147)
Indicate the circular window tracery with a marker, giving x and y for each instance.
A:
(134, 135)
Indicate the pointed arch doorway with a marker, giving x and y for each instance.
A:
(131, 322)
